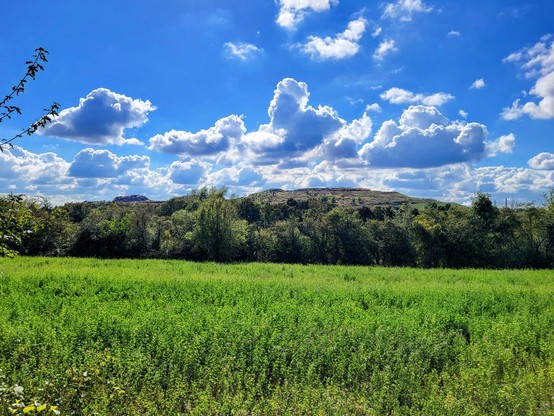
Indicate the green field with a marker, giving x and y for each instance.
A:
(171, 337)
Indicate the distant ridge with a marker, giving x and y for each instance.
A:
(342, 197)
(131, 198)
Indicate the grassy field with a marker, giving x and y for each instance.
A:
(138, 337)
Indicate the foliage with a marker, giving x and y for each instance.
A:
(8, 110)
(10, 228)
(171, 337)
(206, 226)
(219, 232)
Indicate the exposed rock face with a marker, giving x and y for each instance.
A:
(131, 198)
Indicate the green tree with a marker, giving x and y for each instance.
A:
(536, 237)
(8, 110)
(290, 245)
(351, 242)
(13, 223)
(393, 243)
(177, 235)
(103, 233)
(219, 233)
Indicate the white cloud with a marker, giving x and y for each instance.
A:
(377, 31)
(207, 142)
(374, 107)
(236, 176)
(521, 182)
(23, 168)
(425, 138)
(345, 142)
(48, 174)
(344, 45)
(536, 62)
(241, 51)
(401, 96)
(454, 33)
(386, 47)
(292, 12)
(477, 84)
(100, 118)
(512, 113)
(90, 163)
(504, 144)
(463, 114)
(294, 128)
(542, 161)
(405, 9)
(188, 172)
(460, 183)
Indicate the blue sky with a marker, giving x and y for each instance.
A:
(428, 98)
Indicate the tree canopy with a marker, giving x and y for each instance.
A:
(206, 226)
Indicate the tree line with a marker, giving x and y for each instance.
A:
(206, 226)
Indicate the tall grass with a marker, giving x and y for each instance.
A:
(170, 337)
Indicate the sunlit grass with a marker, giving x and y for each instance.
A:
(170, 337)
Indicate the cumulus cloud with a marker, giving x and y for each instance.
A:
(90, 163)
(405, 9)
(345, 142)
(241, 51)
(504, 144)
(542, 161)
(188, 172)
(425, 138)
(92, 175)
(523, 182)
(401, 96)
(24, 168)
(536, 62)
(100, 118)
(206, 142)
(294, 128)
(292, 12)
(23, 171)
(454, 33)
(460, 183)
(463, 113)
(236, 176)
(386, 47)
(344, 45)
(477, 84)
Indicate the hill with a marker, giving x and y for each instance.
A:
(342, 197)
(131, 198)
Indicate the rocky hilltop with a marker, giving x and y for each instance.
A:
(342, 197)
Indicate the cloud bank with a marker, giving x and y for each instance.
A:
(422, 153)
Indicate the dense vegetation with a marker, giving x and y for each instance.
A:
(206, 226)
(92, 336)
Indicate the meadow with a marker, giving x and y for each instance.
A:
(150, 337)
